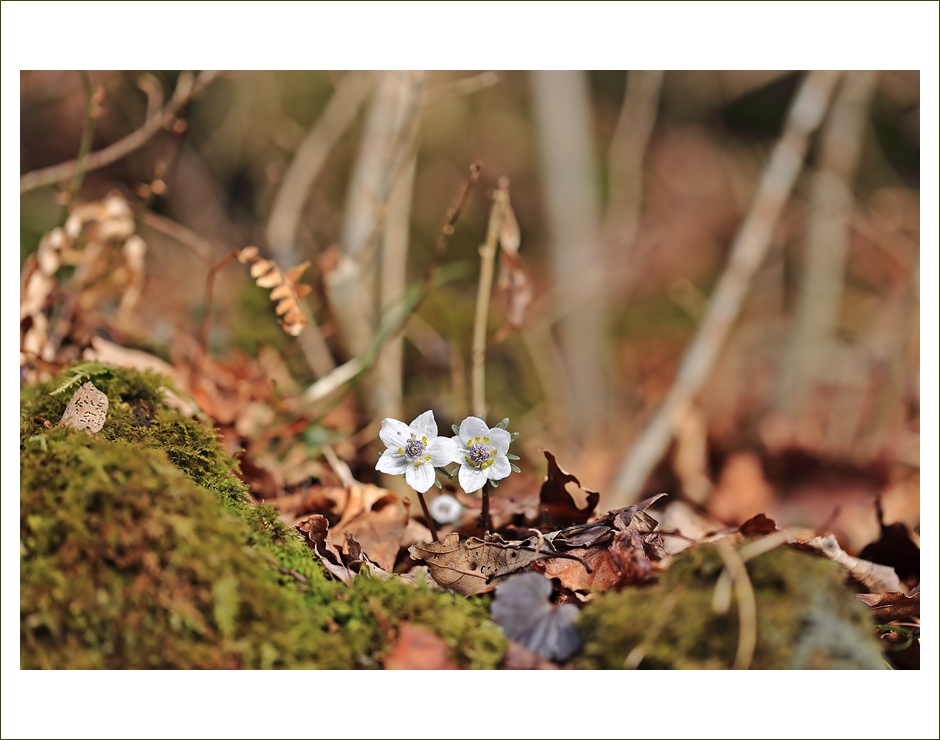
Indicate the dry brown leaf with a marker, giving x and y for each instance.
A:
(325, 500)
(514, 281)
(557, 505)
(890, 606)
(316, 530)
(87, 410)
(895, 547)
(364, 497)
(287, 291)
(473, 566)
(380, 531)
(604, 574)
(416, 649)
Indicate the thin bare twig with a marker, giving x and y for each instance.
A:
(484, 288)
(186, 89)
(747, 253)
(463, 86)
(178, 232)
(207, 316)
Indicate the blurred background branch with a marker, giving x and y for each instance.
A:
(186, 88)
(747, 252)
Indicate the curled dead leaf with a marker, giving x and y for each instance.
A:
(316, 532)
(889, 606)
(558, 507)
(286, 291)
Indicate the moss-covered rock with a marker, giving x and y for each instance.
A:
(140, 548)
(806, 618)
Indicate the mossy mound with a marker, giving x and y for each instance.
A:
(140, 549)
(806, 618)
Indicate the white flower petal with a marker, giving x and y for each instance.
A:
(394, 434)
(420, 477)
(499, 469)
(443, 451)
(471, 479)
(392, 464)
(472, 427)
(499, 440)
(425, 426)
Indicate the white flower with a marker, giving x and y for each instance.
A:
(414, 450)
(445, 509)
(481, 452)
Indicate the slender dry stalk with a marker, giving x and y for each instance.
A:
(180, 233)
(625, 160)
(207, 317)
(186, 89)
(747, 604)
(93, 98)
(484, 289)
(747, 253)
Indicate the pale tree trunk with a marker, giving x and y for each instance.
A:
(387, 147)
(827, 240)
(563, 117)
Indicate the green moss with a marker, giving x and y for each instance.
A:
(139, 548)
(806, 618)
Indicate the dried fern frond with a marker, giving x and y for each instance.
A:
(286, 291)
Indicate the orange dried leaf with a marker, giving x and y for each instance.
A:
(287, 292)
(293, 274)
(248, 254)
(280, 292)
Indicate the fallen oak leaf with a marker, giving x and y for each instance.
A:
(473, 566)
(469, 567)
(890, 606)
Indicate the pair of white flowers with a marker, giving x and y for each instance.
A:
(415, 450)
